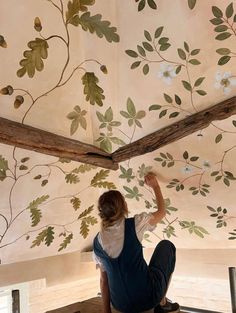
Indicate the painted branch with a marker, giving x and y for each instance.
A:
(30, 138)
(176, 130)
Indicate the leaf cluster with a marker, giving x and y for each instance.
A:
(170, 104)
(132, 115)
(46, 236)
(77, 119)
(193, 229)
(226, 176)
(149, 46)
(220, 215)
(132, 193)
(142, 4)
(126, 174)
(35, 212)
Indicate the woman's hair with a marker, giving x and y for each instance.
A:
(111, 207)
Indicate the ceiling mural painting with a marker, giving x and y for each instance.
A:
(48, 204)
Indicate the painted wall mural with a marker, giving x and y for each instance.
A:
(84, 78)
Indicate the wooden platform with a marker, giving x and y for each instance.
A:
(93, 305)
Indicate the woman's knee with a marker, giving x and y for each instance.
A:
(167, 244)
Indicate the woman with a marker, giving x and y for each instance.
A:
(127, 281)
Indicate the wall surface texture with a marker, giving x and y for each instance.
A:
(107, 73)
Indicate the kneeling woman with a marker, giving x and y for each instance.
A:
(127, 282)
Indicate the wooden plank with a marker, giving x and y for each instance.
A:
(93, 305)
(31, 138)
(176, 131)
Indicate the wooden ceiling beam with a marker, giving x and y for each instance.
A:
(31, 138)
(176, 131)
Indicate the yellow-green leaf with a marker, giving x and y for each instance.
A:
(94, 93)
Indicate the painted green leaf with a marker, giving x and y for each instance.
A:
(162, 113)
(131, 53)
(226, 182)
(94, 93)
(147, 46)
(195, 51)
(46, 235)
(106, 144)
(3, 168)
(186, 46)
(24, 160)
(147, 35)
(78, 119)
(35, 215)
(132, 193)
(178, 100)
(181, 54)
(146, 69)
(135, 65)
(154, 107)
(152, 4)
(221, 28)
(199, 81)
(229, 10)
(185, 155)
(143, 170)
(178, 69)
(74, 7)
(86, 212)
(117, 141)
(223, 60)
(194, 62)
(173, 114)
(168, 98)
(223, 51)
(126, 174)
(186, 85)
(101, 175)
(141, 5)
(101, 28)
(83, 168)
(163, 40)
(217, 12)
(164, 47)
(159, 31)
(72, 178)
(234, 123)
(66, 242)
(192, 3)
(141, 51)
(131, 108)
(44, 182)
(218, 138)
(216, 21)
(84, 227)
(223, 36)
(33, 58)
(201, 92)
(76, 203)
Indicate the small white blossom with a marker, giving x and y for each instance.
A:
(166, 73)
(187, 169)
(206, 165)
(225, 81)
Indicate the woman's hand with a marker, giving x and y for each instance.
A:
(151, 180)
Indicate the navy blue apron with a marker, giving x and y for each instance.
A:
(133, 286)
